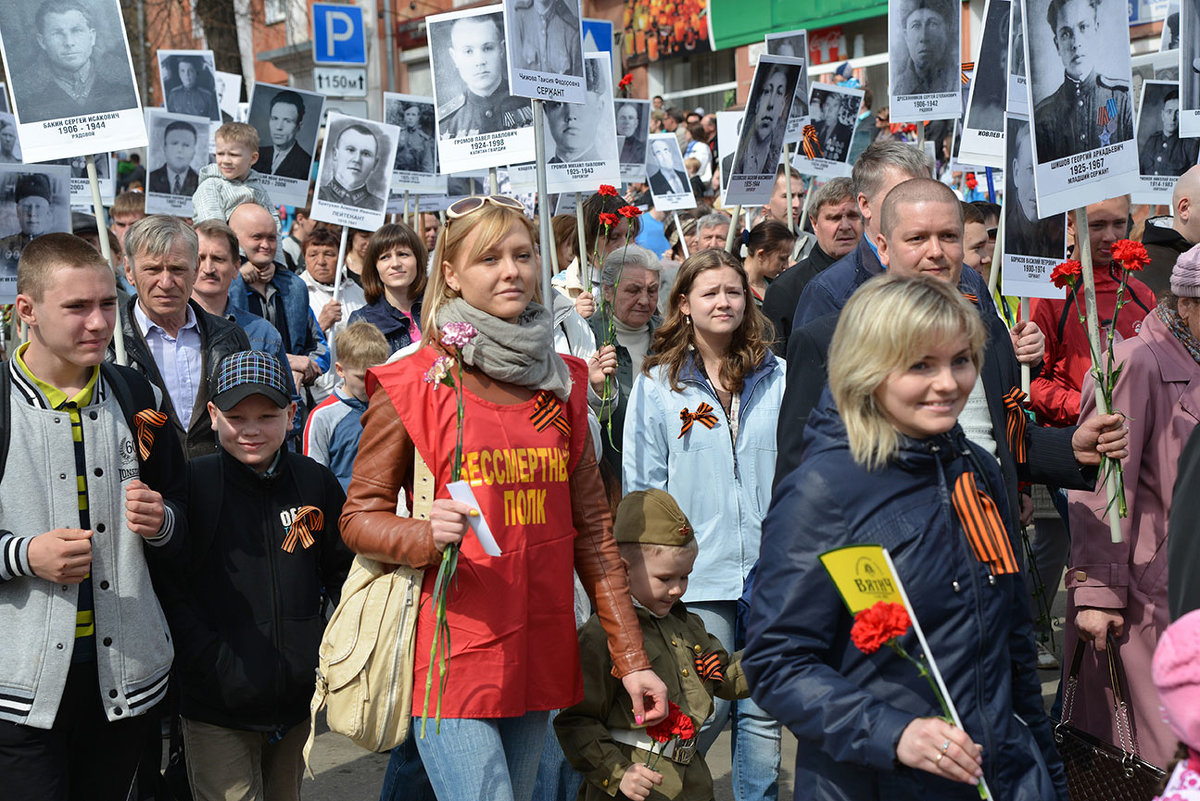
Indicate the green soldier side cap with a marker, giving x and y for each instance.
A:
(651, 517)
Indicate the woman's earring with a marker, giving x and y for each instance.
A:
(688, 317)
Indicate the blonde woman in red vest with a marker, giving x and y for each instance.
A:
(514, 655)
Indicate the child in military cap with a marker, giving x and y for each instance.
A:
(599, 736)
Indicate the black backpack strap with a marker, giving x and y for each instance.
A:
(1068, 307)
(5, 412)
(132, 391)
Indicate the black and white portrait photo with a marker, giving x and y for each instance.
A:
(793, 44)
(470, 86)
(176, 154)
(633, 126)
(1032, 246)
(834, 116)
(581, 141)
(982, 140)
(229, 94)
(761, 142)
(729, 128)
(356, 169)
(10, 146)
(189, 83)
(287, 121)
(1161, 150)
(924, 59)
(416, 150)
(1189, 67)
(34, 200)
(1169, 40)
(668, 179)
(1018, 100)
(545, 49)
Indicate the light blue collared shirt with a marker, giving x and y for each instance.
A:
(179, 359)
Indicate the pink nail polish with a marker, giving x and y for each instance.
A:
(637, 719)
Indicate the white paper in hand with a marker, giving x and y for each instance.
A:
(461, 492)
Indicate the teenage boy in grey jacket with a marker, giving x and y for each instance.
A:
(86, 649)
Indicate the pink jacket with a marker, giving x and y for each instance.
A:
(1159, 392)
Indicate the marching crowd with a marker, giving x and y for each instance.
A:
(704, 423)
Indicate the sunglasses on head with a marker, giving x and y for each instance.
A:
(469, 205)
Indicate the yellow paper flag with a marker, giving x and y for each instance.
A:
(862, 576)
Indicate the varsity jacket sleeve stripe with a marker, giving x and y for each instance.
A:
(14, 556)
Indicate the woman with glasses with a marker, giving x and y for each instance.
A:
(529, 460)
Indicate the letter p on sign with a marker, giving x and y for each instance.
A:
(339, 36)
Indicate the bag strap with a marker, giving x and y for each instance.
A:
(423, 487)
(5, 412)
(1116, 676)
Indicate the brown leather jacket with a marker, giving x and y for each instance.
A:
(370, 525)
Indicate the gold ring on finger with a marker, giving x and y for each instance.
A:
(938, 761)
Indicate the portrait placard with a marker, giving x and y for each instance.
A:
(1189, 60)
(356, 168)
(581, 138)
(10, 145)
(81, 187)
(1169, 40)
(545, 49)
(178, 151)
(416, 166)
(633, 126)
(229, 95)
(1033, 247)
(72, 80)
(729, 127)
(1162, 154)
(4, 98)
(1017, 101)
(1082, 117)
(669, 185)
(793, 44)
(480, 124)
(188, 81)
(760, 145)
(982, 138)
(34, 200)
(288, 121)
(924, 60)
(834, 112)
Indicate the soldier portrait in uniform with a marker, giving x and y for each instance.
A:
(176, 173)
(189, 83)
(1160, 149)
(545, 36)
(416, 150)
(10, 148)
(833, 116)
(761, 140)
(74, 63)
(355, 162)
(581, 131)
(1024, 233)
(923, 52)
(287, 121)
(471, 85)
(1076, 107)
(1016, 51)
(36, 204)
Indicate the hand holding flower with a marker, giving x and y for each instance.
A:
(448, 518)
(921, 746)
(639, 781)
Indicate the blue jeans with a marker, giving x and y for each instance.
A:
(405, 779)
(556, 779)
(478, 758)
(756, 737)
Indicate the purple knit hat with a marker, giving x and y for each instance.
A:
(1185, 276)
(1176, 673)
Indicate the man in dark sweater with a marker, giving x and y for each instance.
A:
(1166, 237)
(837, 224)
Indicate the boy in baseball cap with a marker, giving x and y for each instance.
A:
(599, 736)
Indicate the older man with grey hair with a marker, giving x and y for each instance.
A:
(629, 280)
(169, 338)
(712, 230)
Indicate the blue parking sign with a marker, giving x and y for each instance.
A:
(338, 34)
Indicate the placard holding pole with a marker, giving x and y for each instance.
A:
(539, 148)
(105, 249)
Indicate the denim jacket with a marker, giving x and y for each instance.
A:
(723, 488)
(304, 336)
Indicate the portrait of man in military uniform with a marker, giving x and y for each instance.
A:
(546, 36)
(472, 78)
(581, 131)
(924, 52)
(189, 85)
(34, 201)
(416, 149)
(355, 153)
(1161, 150)
(72, 65)
(10, 149)
(1024, 233)
(1087, 110)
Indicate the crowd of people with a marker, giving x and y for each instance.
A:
(712, 403)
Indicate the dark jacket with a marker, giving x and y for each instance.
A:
(295, 164)
(247, 614)
(627, 371)
(784, 292)
(302, 336)
(390, 321)
(218, 338)
(160, 181)
(830, 290)
(849, 709)
(1164, 244)
(1051, 459)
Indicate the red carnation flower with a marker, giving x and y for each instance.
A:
(629, 211)
(625, 82)
(685, 729)
(877, 624)
(664, 730)
(609, 219)
(1132, 255)
(607, 190)
(1066, 274)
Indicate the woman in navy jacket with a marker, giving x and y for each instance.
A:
(890, 469)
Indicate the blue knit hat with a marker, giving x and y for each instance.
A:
(246, 373)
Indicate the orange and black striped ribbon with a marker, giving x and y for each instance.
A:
(810, 144)
(984, 529)
(548, 411)
(1015, 422)
(967, 66)
(708, 667)
(703, 414)
(307, 520)
(145, 423)
(972, 298)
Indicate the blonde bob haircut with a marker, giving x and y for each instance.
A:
(889, 324)
(493, 223)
